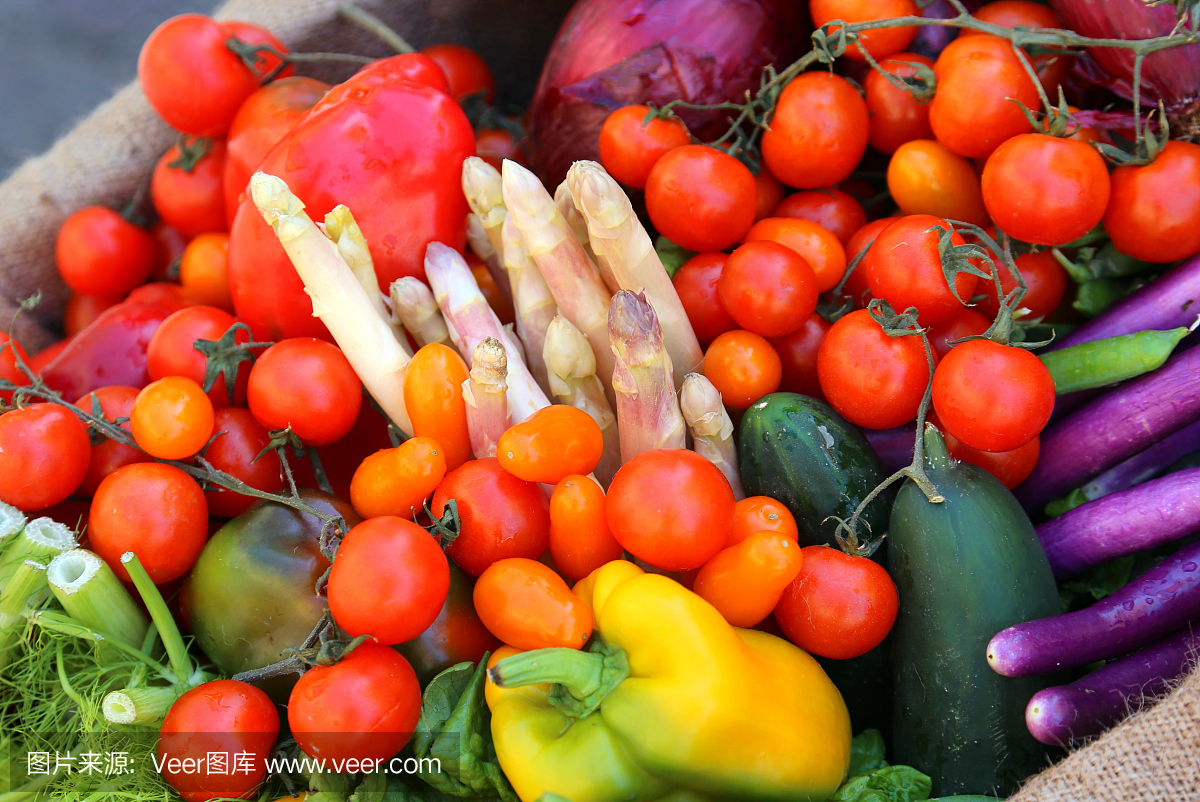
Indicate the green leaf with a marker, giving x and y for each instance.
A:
(866, 752)
(887, 784)
(385, 787)
(455, 729)
(672, 255)
(1101, 580)
(327, 786)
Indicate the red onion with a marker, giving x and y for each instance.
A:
(611, 53)
(1172, 76)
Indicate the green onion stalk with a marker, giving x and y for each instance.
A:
(34, 546)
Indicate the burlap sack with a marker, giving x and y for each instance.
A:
(1152, 757)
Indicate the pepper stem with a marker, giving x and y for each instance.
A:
(582, 679)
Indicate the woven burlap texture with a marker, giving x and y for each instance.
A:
(1152, 757)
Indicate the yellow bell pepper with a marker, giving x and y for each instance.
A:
(669, 700)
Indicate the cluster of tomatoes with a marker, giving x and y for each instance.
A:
(965, 152)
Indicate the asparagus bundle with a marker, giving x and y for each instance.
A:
(711, 427)
(532, 301)
(648, 415)
(573, 280)
(470, 320)
(414, 306)
(573, 381)
(338, 298)
(622, 243)
(481, 185)
(486, 397)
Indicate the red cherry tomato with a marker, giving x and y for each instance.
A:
(1154, 210)
(973, 111)
(819, 132)
(221, 717)
(465, 70)
(1045, 279)
(44, 455)
(494, 145)
(1010, 467)
(156, 511)
(676, 530)
(871, 379)
(817, 244)
(192, 79)
(856, 286)
(992, 397)
(191, 201)
(81, 310)
(903, 268)
(743, 367)
(1045, 190)
(100, 253)
(768, 288)
(896, 116)
(237, 449)
(696, 284)
(262, 120)
(307, 384)
(798, 357)
(701, 198)
(1052, 68)
(833, 209)
(881, 42)
(502, 516)
(171, 351)
(363, 709)
(409, 193)
(839, 606)
(9, 351)
(629, 148)
(389, 580)
(108, 455)
(770, 193)
(964, 324)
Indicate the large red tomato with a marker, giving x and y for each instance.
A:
(393, 154)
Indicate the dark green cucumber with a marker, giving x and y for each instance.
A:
(965, 569)
(798, 450)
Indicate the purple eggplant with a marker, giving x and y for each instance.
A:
(894, 446)
(1114, 427)
(1146, 465)
(1160, 601)
(1169, 301)
(1067, 713)
(1123, 523)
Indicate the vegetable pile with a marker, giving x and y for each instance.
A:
(794, 375)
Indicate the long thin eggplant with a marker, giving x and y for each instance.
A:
(1129, 419)
(1069, 713)
(1123, 523)
(1160, 601)
(1145, 466)
(1165, 303)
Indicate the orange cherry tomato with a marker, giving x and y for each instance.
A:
(203, 270)
(551, 444)
(580, 540)
(398, 481)
(434, 400)
(746, 580)
(818, 245)
(525, 604)
(743, 367)
(881, 42)
(761, 514)
(926, 177)
(896, 116)
(629, 148)
(172, 418)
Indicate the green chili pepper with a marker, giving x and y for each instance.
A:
(1103, 362)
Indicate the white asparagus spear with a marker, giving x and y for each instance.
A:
(619, 240)
(572, 367)
(711, 427)
(573, 280)
(470, 320)
(413, 304)
(574, 218)
(338, 298)
(532, 302)
(486, 397)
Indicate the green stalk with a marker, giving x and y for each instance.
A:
(12, 521)
(90, 593)
(54, 621)
(138, 705)
(181, 664)
(28, 581)
(39, 540)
